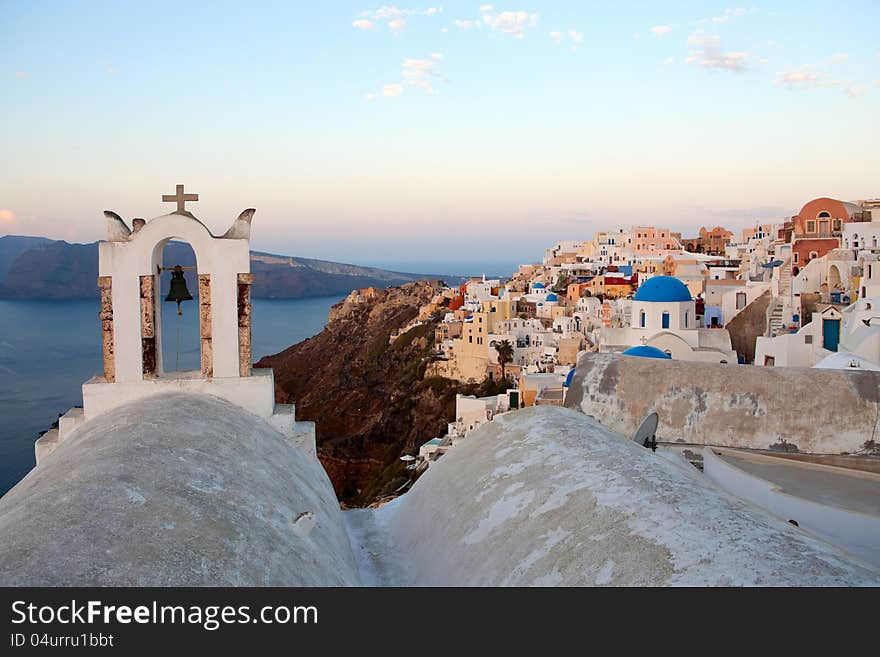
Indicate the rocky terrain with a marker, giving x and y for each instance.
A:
(39, 268)
(369, 398)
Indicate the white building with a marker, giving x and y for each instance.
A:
(663, 316)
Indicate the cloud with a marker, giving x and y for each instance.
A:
(805, 77)
(421, 73)
(838, 58)
(669, 61)
(394, 17)
(700, 38)
(572, 35)
(726, 16)
(514, 23)
(465, 24)
(22, 75)
(856, 90)
(709, 54)
(660, 30)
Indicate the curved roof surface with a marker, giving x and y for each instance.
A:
(547, 496)
(646, 351)
(662, 289)
(175, 490)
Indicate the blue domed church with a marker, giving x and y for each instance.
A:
(663, 324)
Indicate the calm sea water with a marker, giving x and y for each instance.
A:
(49, 348)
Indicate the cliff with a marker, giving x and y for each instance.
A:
(368, 397)
(39, 268)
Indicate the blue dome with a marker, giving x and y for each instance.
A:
(538, 286)
(662, 288)
(646, 352)
(552, 297)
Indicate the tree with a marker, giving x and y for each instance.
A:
(505, 354)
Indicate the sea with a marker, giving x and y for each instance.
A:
(49, 348)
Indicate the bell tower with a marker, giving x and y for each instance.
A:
(130, 264)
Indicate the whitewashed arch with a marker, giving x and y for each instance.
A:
(125, 258)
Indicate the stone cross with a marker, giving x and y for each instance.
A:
(180, 198)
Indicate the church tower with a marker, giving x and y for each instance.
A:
(130, 265)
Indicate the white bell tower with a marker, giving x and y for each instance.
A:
(129, 266)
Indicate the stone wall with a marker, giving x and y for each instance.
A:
(791, 409)
(105, 284)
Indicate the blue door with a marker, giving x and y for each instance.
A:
(830, 333)
(665, 320)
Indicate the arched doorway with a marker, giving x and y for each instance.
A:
(179, 343)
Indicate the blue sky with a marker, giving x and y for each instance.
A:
(425, 134)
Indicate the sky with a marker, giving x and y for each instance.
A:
(456, 137)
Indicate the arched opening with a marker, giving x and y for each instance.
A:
(834, 282)
(178, 336)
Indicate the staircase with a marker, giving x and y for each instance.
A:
(785, 280)
(776, 325)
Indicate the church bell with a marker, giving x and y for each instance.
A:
(178, 291)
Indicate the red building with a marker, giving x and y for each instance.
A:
(818, 226)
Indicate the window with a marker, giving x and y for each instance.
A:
(769, 361)
(811, 226)
(824, 215)
(665, 320)
(836, 224)
(685, 318)
(642, 319)
(808, 339)
(470, 339)
(814, 255)
(795, 258)
(740, 300)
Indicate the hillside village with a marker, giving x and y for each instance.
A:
(217, 476)
(803, 292)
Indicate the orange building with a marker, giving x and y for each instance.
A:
(647, 239)
(711, 242)
(817, 228)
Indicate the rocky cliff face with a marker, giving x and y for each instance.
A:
(368, 397)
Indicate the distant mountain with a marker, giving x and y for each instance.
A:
(13, 246)
(40, 268)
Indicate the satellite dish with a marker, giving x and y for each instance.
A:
(645, 435)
